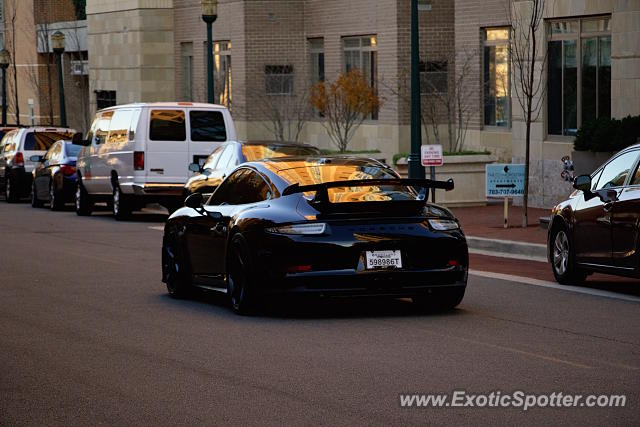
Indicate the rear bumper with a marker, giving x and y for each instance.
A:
(389, 284)
(155, 192)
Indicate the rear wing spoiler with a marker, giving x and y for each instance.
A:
(322, 194)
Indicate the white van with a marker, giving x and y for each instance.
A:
(140, 153)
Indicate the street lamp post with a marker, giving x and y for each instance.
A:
(4, 64)
(416, 170)
(209, 15)
(57, 40)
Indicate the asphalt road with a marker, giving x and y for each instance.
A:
(89, 336)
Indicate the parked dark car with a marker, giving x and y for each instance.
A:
(598, 228)
(54, 176)
(316, 226)
(225, 158)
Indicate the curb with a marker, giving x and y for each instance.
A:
(508, 248)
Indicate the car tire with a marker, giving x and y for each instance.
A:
(120, 205)
(440, 300)
(176, 276)
(35, 202)
(240, 278)
(10, 195)
(84, 205)
(55, 199)
(563, 264)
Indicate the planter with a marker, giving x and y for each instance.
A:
(585, 162)
(468, 173)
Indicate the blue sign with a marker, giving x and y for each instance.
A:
(505, 180)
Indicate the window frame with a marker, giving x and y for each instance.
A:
(496, 43)
(372, 50)
(222, 48)
(578, 36)
(281, 75)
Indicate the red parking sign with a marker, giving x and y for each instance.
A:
(431, 155)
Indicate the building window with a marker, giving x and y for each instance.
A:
(278, 79)
(186, 51)
(578, 73)
(496, 78)
(433, 77)
(105, 98)
(362, 53)
(222, 73)
(316, 58)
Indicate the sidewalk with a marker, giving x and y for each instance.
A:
(486, 235)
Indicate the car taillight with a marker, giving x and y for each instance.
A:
(18, 159)
(67, 170)
(138, 160)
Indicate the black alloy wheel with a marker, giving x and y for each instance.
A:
(563, 264)
(175, 273)
(240, 277)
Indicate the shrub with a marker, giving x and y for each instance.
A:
(605, 134)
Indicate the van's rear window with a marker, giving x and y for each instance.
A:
(207, 126)
(41, 141)
(167, 125)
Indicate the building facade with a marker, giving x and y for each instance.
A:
(268, 53)
(26, 27)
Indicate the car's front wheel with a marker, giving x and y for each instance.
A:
(564, 268)
(240, 283)
(174, 269)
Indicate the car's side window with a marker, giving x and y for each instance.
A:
(102, 128)
(635, 179)
(615, 173)
(225, 157)
(594, 180)
(242, 187)
(225, 191)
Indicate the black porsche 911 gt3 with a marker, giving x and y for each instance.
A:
(336, 226)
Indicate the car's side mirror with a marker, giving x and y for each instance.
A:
(194, 201)
(582, 183)
(36, 159)
(195, 167)
(78, 140)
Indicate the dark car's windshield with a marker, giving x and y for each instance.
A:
(308, 173)
(254, 152)
(72, 150)
(41, 141)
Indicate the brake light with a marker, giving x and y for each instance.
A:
(67, 170)
(18, 159)
(138, 160)
(453, 263)
(299, 269)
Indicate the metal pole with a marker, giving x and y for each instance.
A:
(210, 97)
(416, 170)
(63, 111)
(4, 96)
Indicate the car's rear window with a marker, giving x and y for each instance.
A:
(72, 150)
(207, 126)
(41, 141)
(167, 125)
(254, 151)
(313, 173)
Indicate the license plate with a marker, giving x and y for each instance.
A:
(383, 259)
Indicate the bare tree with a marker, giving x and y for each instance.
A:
(283, 110)
(446, 98)
(526, 50)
